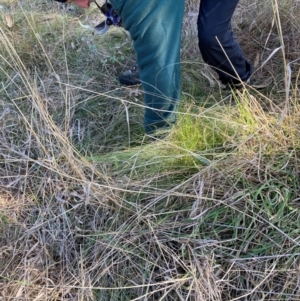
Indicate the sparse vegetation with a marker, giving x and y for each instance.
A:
(93, 209)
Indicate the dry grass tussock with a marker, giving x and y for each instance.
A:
(91, 210)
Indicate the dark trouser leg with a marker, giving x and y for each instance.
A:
(155, 27)
(217, 44)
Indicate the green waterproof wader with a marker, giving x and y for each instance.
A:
(155, 27)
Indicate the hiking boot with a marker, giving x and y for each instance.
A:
(130, 77)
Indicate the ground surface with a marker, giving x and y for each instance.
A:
(93, 209)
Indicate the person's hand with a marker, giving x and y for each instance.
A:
(81, 3)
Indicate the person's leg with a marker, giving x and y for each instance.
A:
(155, 27)
(218, 47)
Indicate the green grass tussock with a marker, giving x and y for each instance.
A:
(91, 208)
